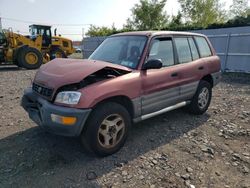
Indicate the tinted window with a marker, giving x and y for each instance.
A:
(203, 46)
(193, 48)
(162, 49)
(183, 50)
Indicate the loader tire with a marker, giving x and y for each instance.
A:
(57, 53)
(30, 58)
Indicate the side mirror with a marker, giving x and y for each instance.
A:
(152, 64)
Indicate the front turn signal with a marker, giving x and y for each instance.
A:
(63, 119)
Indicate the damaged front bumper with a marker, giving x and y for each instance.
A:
(41, 112)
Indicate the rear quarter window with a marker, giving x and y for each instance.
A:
(203, 47)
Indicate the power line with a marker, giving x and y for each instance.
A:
(1, 24)
(23, 21)
(70, 34)
(71, 24)
(24, 32)
(56, 24)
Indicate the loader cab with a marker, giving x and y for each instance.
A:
(44, 31)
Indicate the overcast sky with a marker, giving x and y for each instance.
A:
(54, 12)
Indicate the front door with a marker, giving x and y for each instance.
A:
(46, 37)
(160, 87)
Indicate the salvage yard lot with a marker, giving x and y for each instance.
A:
(175, 149)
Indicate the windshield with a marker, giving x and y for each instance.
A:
(121, 50)
(34, 31)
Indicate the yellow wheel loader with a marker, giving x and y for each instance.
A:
(33, 50)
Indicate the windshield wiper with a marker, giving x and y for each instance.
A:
(108, 61)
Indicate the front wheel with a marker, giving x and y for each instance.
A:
(201, 99)
(106, 129)
(30, 58)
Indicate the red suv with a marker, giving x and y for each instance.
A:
(129, 78)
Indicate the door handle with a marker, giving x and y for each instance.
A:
(201, 68)
(174, 74)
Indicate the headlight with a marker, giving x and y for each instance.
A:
(68, 97)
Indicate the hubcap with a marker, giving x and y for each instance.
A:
(111, 131)
(31, 58)
(203, 98)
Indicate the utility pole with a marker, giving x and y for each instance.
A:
(1, 25)
(82, 45)
(83, 33)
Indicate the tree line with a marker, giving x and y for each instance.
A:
(194, 14)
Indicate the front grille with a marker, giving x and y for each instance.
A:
(46, 92)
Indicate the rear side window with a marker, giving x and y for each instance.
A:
(193, 49)
(162, 49)
(183, 50)
(203, 46)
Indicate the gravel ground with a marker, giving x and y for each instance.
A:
(172, 150)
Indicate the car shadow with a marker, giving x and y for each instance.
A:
(34, 158)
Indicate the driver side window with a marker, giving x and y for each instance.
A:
(162, 48)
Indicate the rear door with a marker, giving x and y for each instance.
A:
(160, 87)
(191, 66)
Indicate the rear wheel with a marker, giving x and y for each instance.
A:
(106, 129)
(57, 53)
(30, 58)
(201, 99)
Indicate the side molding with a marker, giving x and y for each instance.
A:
(170, 108)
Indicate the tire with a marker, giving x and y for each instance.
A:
(57, 53)
(202, 98)
(93, 138)
(29, 58)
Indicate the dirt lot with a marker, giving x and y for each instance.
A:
(172, 150)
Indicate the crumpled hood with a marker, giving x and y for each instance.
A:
(60, 72)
